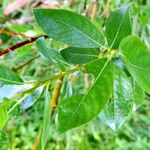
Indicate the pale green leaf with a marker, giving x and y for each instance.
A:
(136, 57)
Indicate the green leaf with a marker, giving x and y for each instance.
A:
(118, 26)
(66, 90)
(3, 116)
(121, 102)
(7, 76)
(31, 99)
(80, 109)
(69, 28)
(3, 112)
(52, 55)
(46, 122)
(136, 57)
(138, 94)
(79, 55)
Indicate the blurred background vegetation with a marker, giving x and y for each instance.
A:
(23, 127)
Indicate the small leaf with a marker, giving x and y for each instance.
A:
(116, 111)
(79, 55)
(31, 99)
(8, 91)
(46, 122)
(136, 57)
(69, 28)
(7, 76)
(80, 109)
(3, 112)
(52, 55)
(66, 90)
(118, 26)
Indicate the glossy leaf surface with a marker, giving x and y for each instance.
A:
(118, 26)
(78, 110)
(79, 55)
(52, 55)
(69, 28)
(116, 111)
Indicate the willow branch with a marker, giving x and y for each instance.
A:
(14, 33)
(14, 47)
(94, 9)
(107, 7)
(55, 95)
(37, 140)
(25, 63)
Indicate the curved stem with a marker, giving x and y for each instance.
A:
(18, 45)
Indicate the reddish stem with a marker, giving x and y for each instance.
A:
(18, 45)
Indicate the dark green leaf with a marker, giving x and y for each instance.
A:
(69, 28)
(136, 57)
(79, 55)
(52, 55)
(118, 26)
(78, 110)
(116, 111)
(7, 76)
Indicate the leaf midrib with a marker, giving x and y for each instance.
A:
(97, 43)
(66, 123)
(118, 29)
(87, 55)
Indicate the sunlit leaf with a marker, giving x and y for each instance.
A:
(69, 28)
(80, 109)
(118, 26)
(52, 55)
(136, 57)
(121, 102)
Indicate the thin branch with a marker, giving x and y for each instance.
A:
(94, 9)
(55, 95)
(14, 47)
(25, 63)
(37, 139)
(107, 7)
(14, 33)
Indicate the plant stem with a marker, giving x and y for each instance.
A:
(17, 103)
(55, 95)
(14, 33)
(18, 45)
(25, 63)
(107, 8)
